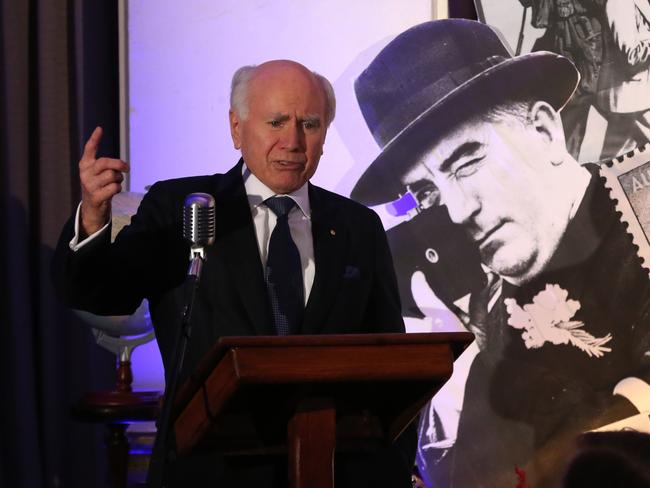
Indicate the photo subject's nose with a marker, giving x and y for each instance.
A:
(460, 205)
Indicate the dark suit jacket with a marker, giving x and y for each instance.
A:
(525, 406)
(354, 288)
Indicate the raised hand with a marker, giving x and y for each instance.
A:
(100, 180)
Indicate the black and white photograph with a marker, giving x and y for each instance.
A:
(531, 255)
(609, 43)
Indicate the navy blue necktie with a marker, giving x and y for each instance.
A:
(284, 271)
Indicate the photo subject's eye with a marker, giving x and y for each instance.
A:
(467, 169)
(426, 194)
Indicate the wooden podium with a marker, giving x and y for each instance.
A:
(310, 395)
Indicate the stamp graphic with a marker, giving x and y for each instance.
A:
(628, 178)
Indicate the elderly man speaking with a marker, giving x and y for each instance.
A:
(563, 315)
(288, 257)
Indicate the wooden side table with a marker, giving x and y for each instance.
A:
(117, 409)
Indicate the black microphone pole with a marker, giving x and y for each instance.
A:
(198, 228)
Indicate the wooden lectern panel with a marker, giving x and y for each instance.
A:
(377, 384)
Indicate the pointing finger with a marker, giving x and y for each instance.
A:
(90, 149)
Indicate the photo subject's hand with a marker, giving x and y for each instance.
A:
(100, 180)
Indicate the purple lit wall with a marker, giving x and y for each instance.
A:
(181, 56)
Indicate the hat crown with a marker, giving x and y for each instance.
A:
(419, 68)
(435, 76)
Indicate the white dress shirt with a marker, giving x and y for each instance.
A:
(264, 222)
(299, 224)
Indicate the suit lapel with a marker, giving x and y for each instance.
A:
(330, 242)
(237, 245)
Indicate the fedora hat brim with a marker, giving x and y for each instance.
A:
(539, 75)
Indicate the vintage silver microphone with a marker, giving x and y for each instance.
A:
(198, 227)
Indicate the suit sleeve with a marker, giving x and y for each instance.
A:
(112, 278)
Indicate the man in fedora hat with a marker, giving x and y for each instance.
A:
(561, 316)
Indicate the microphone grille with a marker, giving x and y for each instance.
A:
(198, 219)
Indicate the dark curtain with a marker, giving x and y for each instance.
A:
(58, 65)
(462, 9)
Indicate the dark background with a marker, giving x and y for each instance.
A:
(59, 65)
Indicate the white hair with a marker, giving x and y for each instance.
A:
(239, 93)
(239, 90)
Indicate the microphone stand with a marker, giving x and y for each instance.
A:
(162, 453)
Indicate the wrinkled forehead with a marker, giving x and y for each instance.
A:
(484, 134)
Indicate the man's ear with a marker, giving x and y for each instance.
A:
(235, 128)
(547, 123)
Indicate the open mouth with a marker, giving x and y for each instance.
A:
(289, 164)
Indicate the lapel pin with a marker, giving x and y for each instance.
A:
(332, 232)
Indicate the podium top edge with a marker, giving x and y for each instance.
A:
(458, 340)
(343, 339)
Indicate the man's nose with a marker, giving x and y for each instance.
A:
(461, 204)
(293, 138)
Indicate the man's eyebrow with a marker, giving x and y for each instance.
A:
(280, 117)
(459, 152)
(311, 118)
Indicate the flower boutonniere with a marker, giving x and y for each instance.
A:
(548, 319)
